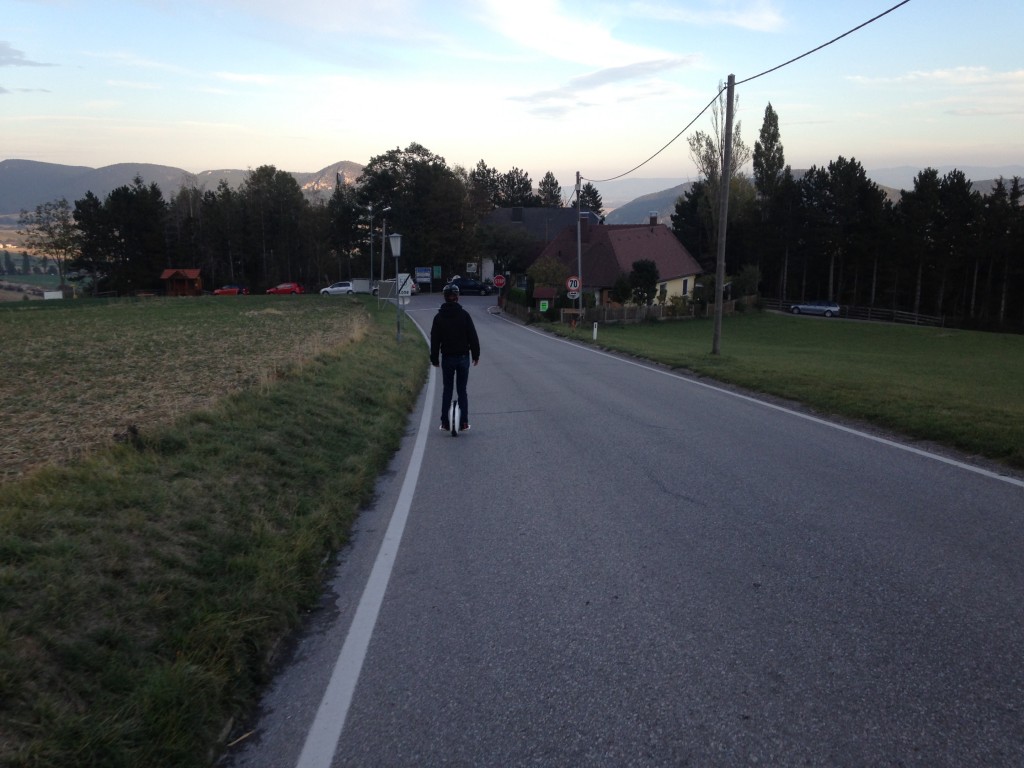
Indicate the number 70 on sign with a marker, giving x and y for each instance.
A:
(572, 283)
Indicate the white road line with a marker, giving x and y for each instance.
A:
(322, 739)
(867, 436)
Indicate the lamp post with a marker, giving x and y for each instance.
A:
(396, 251)
(371, 248)
(383, 240)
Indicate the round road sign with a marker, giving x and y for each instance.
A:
(572, 283)
(499, 281)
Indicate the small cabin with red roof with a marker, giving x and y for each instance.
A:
(182, 282)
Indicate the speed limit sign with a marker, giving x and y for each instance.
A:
(572, 283)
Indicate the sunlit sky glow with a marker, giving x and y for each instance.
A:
(541, 85)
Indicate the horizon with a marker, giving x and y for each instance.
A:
(559, 85)
(621, 191)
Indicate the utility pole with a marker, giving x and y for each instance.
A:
(723, 213)
(579, 246)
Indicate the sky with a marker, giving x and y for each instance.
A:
(593, 87)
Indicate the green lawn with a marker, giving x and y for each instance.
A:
(960, 388)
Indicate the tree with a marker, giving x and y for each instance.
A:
(510, 248)
(431, 205)
(345, 222)
(769, 158)
(50, 230)
(550, 191)
(691, 223)
(707, 150)
(590, 199)
(548, 271)
(136, 220)
(272, 208)
(484, 193)
(95, 239)
(516, 190)
(644, 281)
(622, 290)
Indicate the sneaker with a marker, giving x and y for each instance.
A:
(445, 427)
(464, 428)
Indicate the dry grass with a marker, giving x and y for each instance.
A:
(77, 375)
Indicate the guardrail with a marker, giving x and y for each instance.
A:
(874, 314)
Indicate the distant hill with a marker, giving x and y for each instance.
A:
(24, 184)
(639, 211)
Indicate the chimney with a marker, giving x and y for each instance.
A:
(653, 215)
(585, 227)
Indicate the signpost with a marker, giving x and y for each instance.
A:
(572, 287)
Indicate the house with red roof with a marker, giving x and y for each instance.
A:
(609, 251)
(182, 282)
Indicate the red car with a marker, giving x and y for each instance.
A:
(287, 288)
(232, 290)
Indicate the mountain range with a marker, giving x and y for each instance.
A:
(24, 184)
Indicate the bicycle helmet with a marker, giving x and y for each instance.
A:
(451, 290)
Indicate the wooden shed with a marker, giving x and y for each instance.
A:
(182, 282)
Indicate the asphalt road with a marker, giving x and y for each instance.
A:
(620, 566)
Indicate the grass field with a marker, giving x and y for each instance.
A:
(146, 580)
(958, 388)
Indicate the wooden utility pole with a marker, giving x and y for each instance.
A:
(723, 214)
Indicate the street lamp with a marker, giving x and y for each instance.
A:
(396, 251)
(383, 239)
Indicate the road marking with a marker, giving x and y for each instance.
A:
(322, 739)
(824, 422)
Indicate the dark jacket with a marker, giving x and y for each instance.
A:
(453, 333)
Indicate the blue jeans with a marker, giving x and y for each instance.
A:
(454, 371)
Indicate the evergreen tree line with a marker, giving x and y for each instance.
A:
(267, 231)
(942, 248)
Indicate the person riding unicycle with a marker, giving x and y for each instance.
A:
(453, 343)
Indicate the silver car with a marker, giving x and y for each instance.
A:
(826, 308)
(344, 288)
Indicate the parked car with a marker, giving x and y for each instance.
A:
(826, 308)
(344, 288)
(287, 288)
(231, 290)
(469, 285)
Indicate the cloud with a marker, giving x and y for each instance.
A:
(542, 25)
(12, 57)
(953, 76)
(555, 102)
(253, 79)
(753, 15)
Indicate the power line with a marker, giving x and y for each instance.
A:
(824, 45)
(747, 80)
(673, 140)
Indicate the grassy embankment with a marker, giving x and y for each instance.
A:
(958, 388)
(145, 583)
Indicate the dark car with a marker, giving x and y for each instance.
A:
(469, 285)
(287, 288)
(826, 308)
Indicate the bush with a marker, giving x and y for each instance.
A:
(518, 296)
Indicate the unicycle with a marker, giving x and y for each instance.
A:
(455, 416)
